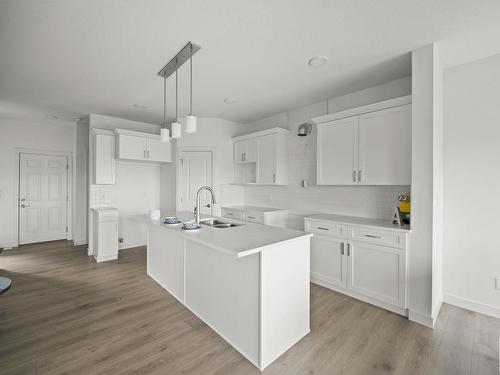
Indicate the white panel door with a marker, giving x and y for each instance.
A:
(42, 198)
(328, 263)
(132, 147)
(159, 151)
(266, 169)
(338, 152)
(378, 272)
(196, 170)
(385, 147)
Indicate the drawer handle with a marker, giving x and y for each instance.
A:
(322, 228)
(229, 214)
(372, 236)
(251, 217)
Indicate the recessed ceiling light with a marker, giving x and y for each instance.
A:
(230, 100)
(317, 61)
(140, 106)
(52, 117)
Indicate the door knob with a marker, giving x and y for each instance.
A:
(24, 206)
(207, 205)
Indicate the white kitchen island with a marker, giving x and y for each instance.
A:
(250, 283)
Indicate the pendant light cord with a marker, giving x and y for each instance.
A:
(164, 101)
(191, 79)
(176, 91)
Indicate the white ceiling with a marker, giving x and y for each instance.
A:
(71, 58)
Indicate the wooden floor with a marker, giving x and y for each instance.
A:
(65, 314)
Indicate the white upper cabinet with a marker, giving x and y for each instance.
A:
(338, 152)
(131, 147)
(159, 151)
(370, 145)
(266, 168)
(261, 157)
(245, 151)
(240, 149)
(104, 157)
(140, 146)
(385, 147)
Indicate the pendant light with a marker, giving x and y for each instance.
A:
(176, 126)
(191, 119)
(164, 132)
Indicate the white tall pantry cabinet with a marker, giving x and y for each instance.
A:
(104, 157)
(370, 145)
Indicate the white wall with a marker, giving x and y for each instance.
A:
(137, 187)
(80, 183)
(215, 133)
(424, 286)
(368, 201)
(472, 184)
(23, 134)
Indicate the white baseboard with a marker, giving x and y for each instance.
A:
(105, 258)
(80, 242)
(9, 245)
(422, 319)
(472, 305)
(128, 245)
(437, 309)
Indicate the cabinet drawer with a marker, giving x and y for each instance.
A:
(326, 229)
(254, 217)
(378, 237)
(232, 214)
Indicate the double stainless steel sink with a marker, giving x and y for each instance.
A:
(219, 223)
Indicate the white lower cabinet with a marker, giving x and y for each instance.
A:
(328, 262)
(377, 271)
(360, 268)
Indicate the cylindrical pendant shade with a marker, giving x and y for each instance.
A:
(164, 135)
(190, 124)
(176, 130)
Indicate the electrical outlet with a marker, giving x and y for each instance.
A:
(120, 240)
(497, 283)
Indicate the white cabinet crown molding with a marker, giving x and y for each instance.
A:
(261, 134)
(136, 133)
(103, 132)
(364, 109)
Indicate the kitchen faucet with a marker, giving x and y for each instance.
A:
(198, 196)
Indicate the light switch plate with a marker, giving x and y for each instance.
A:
(497, 283)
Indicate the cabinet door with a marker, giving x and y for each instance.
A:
(131, 147)
(337, 162)
(328, 264)
(107, 239)
(239, 151)
(251, 150)
(159, 151)
(377, 272)
(385, 147)
(266, 169)
(104, 159)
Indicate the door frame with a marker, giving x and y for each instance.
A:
(69, 186)
(178, 152)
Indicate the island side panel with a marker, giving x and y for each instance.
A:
(284, 310)
(165, 260)
(223, 290)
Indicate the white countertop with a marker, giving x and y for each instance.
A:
(360, 221)
(254, 208)
(243, 240)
